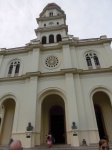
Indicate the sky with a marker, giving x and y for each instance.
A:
(85, 19)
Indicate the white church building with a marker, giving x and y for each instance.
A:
(58, 83)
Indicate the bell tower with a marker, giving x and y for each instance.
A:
(52, 25)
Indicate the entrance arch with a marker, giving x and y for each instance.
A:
(53, 118)
(103, 113)
(7, 115)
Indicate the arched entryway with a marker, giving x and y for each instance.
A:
(7, 115)
(53, 118)
(57, 123)
(103, 113)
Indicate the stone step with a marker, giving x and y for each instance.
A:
(69, 147)
(61, 147)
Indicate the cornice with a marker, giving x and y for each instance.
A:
(85, 42)
(95, 41)
(77, 43)
(51, 18)
(19, 50)
(56, 47)
(65, 41)
(89, 71)
(53, 28)
(62, 72)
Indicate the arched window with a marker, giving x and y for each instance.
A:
(17, 68)
(92, 60)
(88, 60)
(58, 37)
(10, 69)
(96, 61)
(51, 38)
(51, 14)
(14, 68)
(44, 40)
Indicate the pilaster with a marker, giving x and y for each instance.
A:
(71, 101)
(109, 53)
(74, 57)
(63, 33)
(1, 59)
(67, 56)
(80, 104)
(38, 36)
(33, 98)
(35, 59)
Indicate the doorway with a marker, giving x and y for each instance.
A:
(103, 112)
(100, 122)
(53, 118)
(7, 121)
(57, 124)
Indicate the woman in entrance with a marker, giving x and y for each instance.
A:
(103, 144)
(49, 139)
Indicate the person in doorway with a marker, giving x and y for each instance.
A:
(49, 139)
(16, 145)
(103, 144)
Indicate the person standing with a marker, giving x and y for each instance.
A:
(49, 139)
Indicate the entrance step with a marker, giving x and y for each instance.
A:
(65, 147)
(68, 147)
(61, 147)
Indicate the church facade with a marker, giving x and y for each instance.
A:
(58, 83)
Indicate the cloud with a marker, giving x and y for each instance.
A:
(85, 19)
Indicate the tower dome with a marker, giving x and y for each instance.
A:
(51, 5)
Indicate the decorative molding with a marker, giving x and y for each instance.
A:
(70, 42)
(51, 18)
(58, 73)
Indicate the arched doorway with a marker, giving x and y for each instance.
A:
(53, 118)
(7, 114)
(57, 123)
(103, 113)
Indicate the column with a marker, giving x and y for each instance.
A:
(47, 40)
(55, 39)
